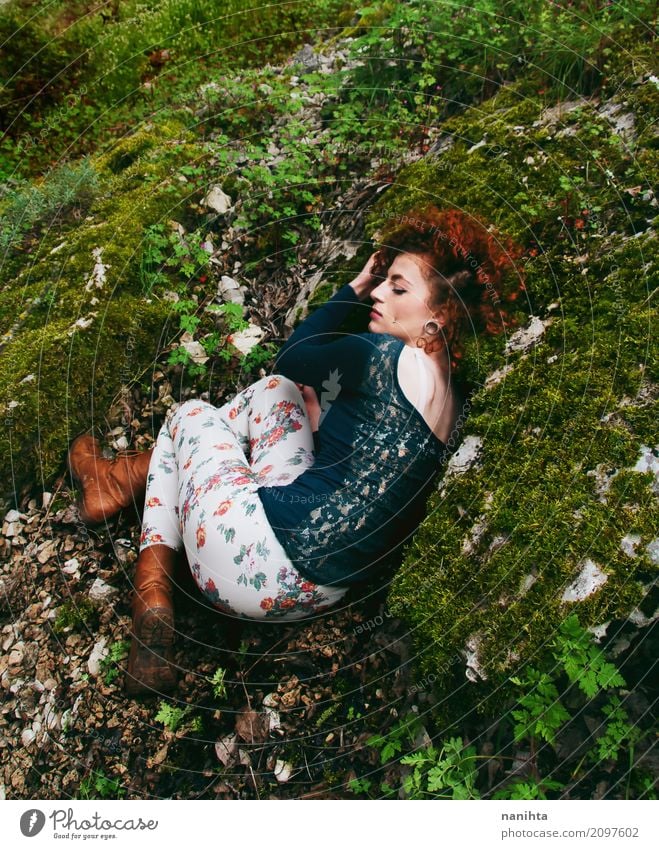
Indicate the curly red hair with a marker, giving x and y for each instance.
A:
(467, 265)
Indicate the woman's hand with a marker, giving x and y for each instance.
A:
(311, 403)
(365, 282)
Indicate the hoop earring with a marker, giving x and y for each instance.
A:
(431, 327)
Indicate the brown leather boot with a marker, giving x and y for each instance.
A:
(107, 485)
(150, 668)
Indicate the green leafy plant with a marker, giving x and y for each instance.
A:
(391, 743)
(446, 773)
(63, 189)
(172, 717)
(99, 786)
(218, 682)
(169, 258)
(104, 68)
(360, 786)
(540, 712)
(328, 713)
(258, 356)
(530, 788)
(232, 315)
(582, 661)
(111, 663)
(617, 732)
(574, 665)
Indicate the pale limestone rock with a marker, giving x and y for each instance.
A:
(100, 591)
(527, 336)
(465, 457)
(628, 544)
(474, 670)
(195, 349)
(28, 736)
(229, 290)
(98, 276)
(588, 581)
(217, 200)
(99, 651)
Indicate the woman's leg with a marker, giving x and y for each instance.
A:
(202, 493)
(150, 661)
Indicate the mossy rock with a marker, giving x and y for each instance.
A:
(76, 323)
(491, 572)
(60, 382)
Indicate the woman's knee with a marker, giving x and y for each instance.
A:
(279, 382)
(192, 407)
(188, 409)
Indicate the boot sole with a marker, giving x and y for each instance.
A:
(156, 627)
(151, 649)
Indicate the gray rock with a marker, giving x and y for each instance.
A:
(588, 581)
(217, 200)
(245, 340)
(628, 544)
(465, 457)
(98, 652)
(283, 771)
(649, 462)
(474, 670)
(556, 114)
(527, 336)
(306, 57)
(623, 122)
(100, 591)
(28, 736)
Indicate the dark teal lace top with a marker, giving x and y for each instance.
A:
(349, 515)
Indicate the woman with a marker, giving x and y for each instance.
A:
(313, 478)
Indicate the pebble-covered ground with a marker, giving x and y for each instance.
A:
(289, 723)
(288, 715)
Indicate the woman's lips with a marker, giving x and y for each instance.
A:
(375, 314)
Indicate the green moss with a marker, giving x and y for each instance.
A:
(76, 614)
(76, 376)
(70, 344)
(321, 295)
(574, 403)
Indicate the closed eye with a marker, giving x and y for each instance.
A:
(399, 291)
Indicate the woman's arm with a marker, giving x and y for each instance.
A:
(309, 357)
(365, 282)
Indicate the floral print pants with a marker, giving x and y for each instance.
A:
(201, 494)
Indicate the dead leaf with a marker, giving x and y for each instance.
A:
(252, 727)
(159, 756)
(225, 749)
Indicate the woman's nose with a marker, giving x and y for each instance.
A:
(376, 294)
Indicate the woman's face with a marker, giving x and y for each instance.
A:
(400, 302)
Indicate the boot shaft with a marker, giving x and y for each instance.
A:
(153, 584)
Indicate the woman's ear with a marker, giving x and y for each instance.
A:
(440, 316)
